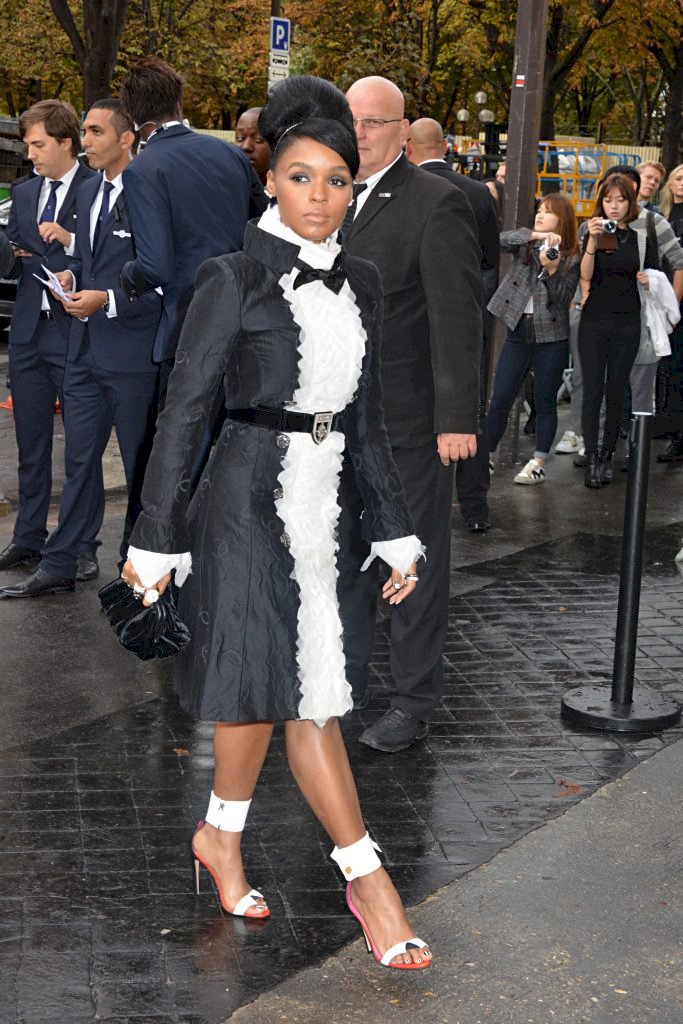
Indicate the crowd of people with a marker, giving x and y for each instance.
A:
(292, 338)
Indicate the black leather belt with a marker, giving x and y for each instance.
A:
(46, 314)
(318, 424)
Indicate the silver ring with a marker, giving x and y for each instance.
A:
(152, 595)
(137, 588)
(397, 586)
(411, 577)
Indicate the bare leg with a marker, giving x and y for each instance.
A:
(239, 752)
(318, 760)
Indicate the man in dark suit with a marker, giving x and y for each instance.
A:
(42, 222)
(189, 197)
(110, 378)
(426, 148)
(421, 234)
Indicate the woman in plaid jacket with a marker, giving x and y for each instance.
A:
(533, 303)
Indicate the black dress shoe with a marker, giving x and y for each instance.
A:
(87, 566)
(396, 730)
(580, 461)
(15, 554)
(479, 527)
(39, 583)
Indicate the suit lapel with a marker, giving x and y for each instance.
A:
(29, 215)
(380, 197)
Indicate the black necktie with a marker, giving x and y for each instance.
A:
(50, 208)
(103, 214)
(333, 278)
(351, 210)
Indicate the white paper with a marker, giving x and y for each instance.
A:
(53, 284)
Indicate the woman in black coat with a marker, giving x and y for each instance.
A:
(291, 328)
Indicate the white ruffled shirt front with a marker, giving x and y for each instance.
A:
(321, 316)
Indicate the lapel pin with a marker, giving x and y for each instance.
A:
(384, 195)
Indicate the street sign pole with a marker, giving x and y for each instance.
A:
(278, 54)
(521, 155)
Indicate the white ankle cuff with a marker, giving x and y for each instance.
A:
(227, 815)
(358, 859)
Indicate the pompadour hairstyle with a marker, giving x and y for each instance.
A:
(151, 91)
(60, 121)
(121, 119)
(304, 107)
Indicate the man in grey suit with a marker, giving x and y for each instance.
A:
(422, 235)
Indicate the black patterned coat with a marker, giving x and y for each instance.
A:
(240, 601)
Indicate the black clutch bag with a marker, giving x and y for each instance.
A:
(153, 632)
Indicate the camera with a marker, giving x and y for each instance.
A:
(551, 251)
(609, 227)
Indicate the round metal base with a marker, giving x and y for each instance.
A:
(593, 707)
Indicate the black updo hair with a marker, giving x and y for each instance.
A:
(305, 107)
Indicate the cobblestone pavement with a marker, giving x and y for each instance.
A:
(102, 777)
(98, 920)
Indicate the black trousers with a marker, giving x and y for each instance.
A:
(472, 476)
(608, 348)
(419, 624)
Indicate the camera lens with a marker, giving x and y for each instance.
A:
(552, 252)
(609, 226)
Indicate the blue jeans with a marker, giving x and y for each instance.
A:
(548, 360)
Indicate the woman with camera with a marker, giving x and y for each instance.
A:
(533, 303)
(613, 265)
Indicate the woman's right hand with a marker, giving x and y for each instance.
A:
(595, 227)
(129, 575)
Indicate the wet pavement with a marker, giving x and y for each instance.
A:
(103, 777)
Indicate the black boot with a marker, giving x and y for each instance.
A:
(591, 476)
(606, 466)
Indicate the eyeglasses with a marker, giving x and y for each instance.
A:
(371, 124)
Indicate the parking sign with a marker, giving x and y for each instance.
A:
(279, 34)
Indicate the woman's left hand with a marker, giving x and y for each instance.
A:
(400, 585)
(643, 279)
(129, 575)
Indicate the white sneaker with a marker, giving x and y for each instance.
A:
(533, 473)
(569, 444)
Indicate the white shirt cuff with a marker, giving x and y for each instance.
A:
(71, 247)
(152, 565)
(111, 312)
(399, 554)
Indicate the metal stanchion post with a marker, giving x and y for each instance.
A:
(627, 708)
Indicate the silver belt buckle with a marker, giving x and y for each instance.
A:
(322, 425)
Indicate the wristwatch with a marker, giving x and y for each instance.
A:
(105, 306)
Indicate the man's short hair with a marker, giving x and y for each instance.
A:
(121, 120)
(660, 168)
(60, 121)
(151, 91)
(625, 170)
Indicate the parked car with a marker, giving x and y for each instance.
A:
(8, 289)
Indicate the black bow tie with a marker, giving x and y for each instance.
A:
(333, 278)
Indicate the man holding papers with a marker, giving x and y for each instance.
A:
(42, 220)
(110, 378)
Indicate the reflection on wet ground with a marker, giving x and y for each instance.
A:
(98, 920)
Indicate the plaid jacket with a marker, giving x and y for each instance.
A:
(552, 294)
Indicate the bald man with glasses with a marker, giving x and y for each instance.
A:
(421, 233)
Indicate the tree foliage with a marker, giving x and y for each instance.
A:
(610, 67)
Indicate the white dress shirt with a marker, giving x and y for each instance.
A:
(60, 196)
(371, 182)
(116, 191)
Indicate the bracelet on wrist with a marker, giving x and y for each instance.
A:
(591, 252)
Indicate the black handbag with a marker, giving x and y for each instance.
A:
(153, 632)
